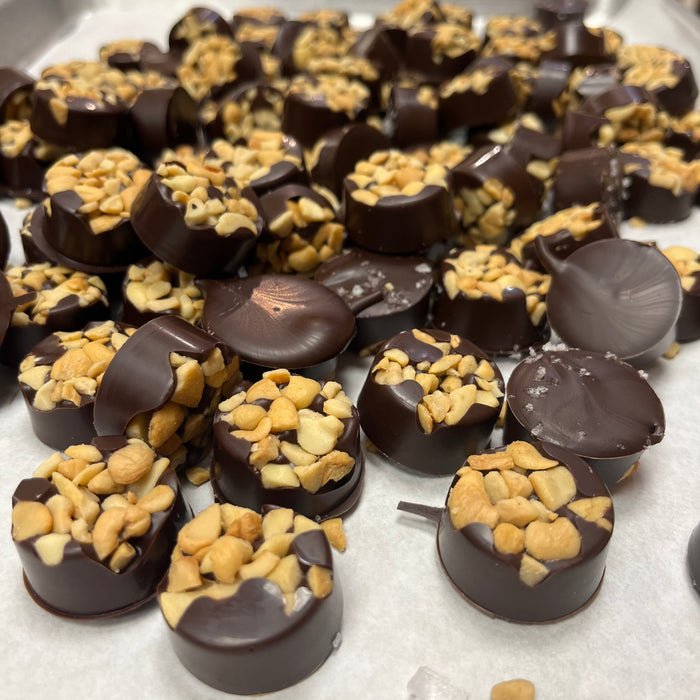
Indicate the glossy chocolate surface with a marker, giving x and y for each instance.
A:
(387, 293)
(208, 21)
(614, 296)
(15, 94)
(247, 644)
(388, 414)
(551, 12)
(278, 320)
(579, 45)
(490, 579)
(593, 404)
(410, 121)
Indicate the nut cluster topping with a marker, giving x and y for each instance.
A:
(345, 65)
(687, 124)
(524, 48)
(184, 420)
(687, 264)
(102, 500)
(209, 62)
(159, 288)
(512, 25)
(225, 545)
(487, 211)
(259, 34)
(309, 416)
(241, 118)
(530, 503)
(193, 28)
(304, 236)
(77, 374)
(665, 165)
(254, 160)
(192, 179)
(451, 385)
(130, 47)
(452, 40)
(336, 92)
(487, 272)
(393, 173)
(579, 221)
(49, 284)
(650, 67)
(476, 81)
(446, 153)
(318, 42)
(14, 137)
(410, 14)
(636, 121)
(505, 133)
(107, 182)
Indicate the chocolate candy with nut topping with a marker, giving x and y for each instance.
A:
(289, 441)
(263, 610)
(581, 45)
(396, 204)
(154, 288)
(257, 16)
(412, 116)
(95, 529)
(564, 232)
(687, 264)
(592, 404)
(197, 23)
(163, 386)
(524, 532)
(127, 54)
(544, 86)
(192, 215)
(551, 12)
(494, 195)
(299, 41)
(279, 321)
(375, 45)
(59, 379)
(662, 185)
(316, 104)
(685, 134)
(491, 299)
(50, 298)
(15, 94)
(87, 212)
(589, 81)
(387, 293)
(430, 399)
(301, 231)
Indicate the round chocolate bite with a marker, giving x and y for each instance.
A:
(191, 214)
(614, 296)
(262, 610)
(687, 264)
(94, 529)
(257, 17)
(564, 232)
(524, 532)
(60, 377)
(15, 94)
(430, 399)
(541, 89)
(49, 298)
(592, 404)
(298, 42)
(581, 45)
(154, 288)
(412, 115)
(352, 67)
(550, 12)
(197, 23)
(163, 387)
(589, 81)
(127, 54)
(387, 293)
(493, 300)
(375, 45)
(279, 321)
(289, 441)
(87, 215)
(395, 203)
(517, 38)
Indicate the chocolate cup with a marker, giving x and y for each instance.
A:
(657, 205)
(490, 580)
(15, 93)
(379, 312)
(578, 46)
(4, 242)
(388, 414)
(595, 405)
(87, 125)
(80, 586)
(204, 16)
(68, 231)
(234, 480)
(419, 59)
(614, 296)
(279, 321)
(694, 557)
(342, 149)
(551, 81)
(162, 118)
(129, 60)
(160, 224)
(399, 224)
(283, 48)
(247, 644)
(376, 46)
(273, 204)
(284, 173)
(409, 121)
(680, 98)
(549, 13)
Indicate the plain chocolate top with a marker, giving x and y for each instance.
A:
(278, 320)
(593, 404)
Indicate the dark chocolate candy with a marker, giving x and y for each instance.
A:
(580, 130)
(258, 16)
(694, 557)
(595, 405)
(589, 81)
(512, 582)
(252, 472)
(327, 17)
(279, 321)
(197, 23)
(337, 152)
(400, 423)
(15, 94)
(684, 133)
(550, 12)
(412, 115)
(127, 54)
(387, 293)
(581, 45)
(300, 41)
(687, 264)
(82, 586)
(375, 45)
(500, 320)
(8, 304)
(259, 638)
(615, 296)
(547, 87)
